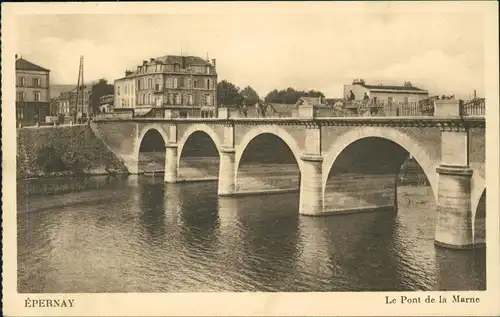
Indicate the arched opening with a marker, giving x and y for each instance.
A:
(373, 173)
(199, 158)
(267, 164)
(480, 222)
(151, 153)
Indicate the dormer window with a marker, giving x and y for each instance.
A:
(208, 69)
(176, 67)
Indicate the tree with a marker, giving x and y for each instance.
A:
(228, 94)
(250, 96)
(290, 95)
(48, 158)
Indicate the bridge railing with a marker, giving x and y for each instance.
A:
(474, 107)
(378, 109)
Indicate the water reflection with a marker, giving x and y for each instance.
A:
(460, 270)
(141, 235)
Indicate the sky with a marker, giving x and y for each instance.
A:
(320, 50)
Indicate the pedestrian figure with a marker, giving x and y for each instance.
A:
(257, 109)
(351, 96)
(244, 110)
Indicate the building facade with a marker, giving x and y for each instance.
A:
(185, 84)
(384, 94)
(124, 93)
(66, 104)
(32, 92)
(106, 103)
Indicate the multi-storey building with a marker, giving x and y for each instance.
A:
(32, 92)
(66, 104)
(185, 84)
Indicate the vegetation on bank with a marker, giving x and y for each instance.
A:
(230, 95)
(64, 151)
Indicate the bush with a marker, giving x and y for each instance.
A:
(48, 159)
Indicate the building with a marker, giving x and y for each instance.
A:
(106, 103)
(32, 92)
(66, 104)
(187, 85)
(384, 94)
(124, 92)
(99, 89)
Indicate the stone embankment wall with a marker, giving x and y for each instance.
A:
(61, 151)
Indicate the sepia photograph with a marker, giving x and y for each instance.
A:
(186, 150)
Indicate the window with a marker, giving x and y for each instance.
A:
(23, 82)
(406, 99)
(126, 89)
(138, 84)
(176, 67)
(36, 82)
(170, 99)
(175, 83)
(390, 100)
(181, 82)
(158, 102)
(190, 100)
(195, 83)
(178, 99)
(169, 83)
(208, 99)
(20, 114)
(208, 69)
(123, 103)
(20, 95)
(150, 99)
(36, 95)
(208, 83)
(144, 99)
(150, 83)
(188, 82)
(118, 91)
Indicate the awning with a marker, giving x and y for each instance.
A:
(142, 111)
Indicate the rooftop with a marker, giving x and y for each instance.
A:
(182, 60)
(23, 64)
(406, 87)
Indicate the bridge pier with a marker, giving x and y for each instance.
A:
(311, 186)
(454, 217)
(454, 210)
(227, 184)
(171, 168)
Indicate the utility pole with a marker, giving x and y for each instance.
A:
(80, 87)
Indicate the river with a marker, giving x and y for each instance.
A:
(137, 234)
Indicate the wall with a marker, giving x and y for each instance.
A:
(128, 97)
(72, 150)
(29, 89)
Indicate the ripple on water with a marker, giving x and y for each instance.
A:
(145, 236)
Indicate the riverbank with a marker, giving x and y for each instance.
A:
(64, 151)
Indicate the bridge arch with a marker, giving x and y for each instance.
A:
(409, 144)
(140, 138)
(197, 128)
(277, 131)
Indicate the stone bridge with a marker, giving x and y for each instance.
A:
(449, 148)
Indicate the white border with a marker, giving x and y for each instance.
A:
(248, 304)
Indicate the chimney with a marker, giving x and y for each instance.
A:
(144, 62)
(213, 62)
(16, 57)
(152, 59)
(474, 94)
